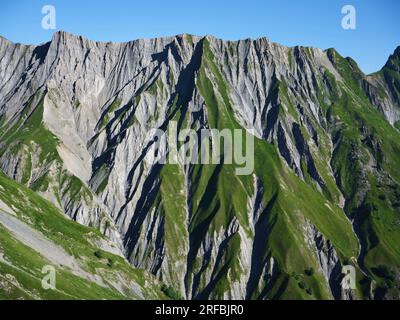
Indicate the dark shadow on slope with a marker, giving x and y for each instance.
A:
(273, 113)
(198, 233)
(217, 276)
(335, 280)
(366, 234)
(151, 188)
(262, 230)
(201, 229)
(304, 152)
(40, 53)
(284, 150)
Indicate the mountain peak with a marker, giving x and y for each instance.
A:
(397, 51)
(65, 36)
(393, 61)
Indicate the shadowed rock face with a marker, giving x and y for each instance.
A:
(75, 126)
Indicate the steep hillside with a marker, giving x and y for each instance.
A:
(34, 234)
(76, 120)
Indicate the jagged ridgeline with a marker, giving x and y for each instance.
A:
(75, 117)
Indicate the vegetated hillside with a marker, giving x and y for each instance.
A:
(34, 234)
(75, 120)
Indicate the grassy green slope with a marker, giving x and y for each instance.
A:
(366, 162)
(20, 266)
(218, 196)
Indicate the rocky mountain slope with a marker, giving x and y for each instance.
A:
(76, 118)
(34, 235)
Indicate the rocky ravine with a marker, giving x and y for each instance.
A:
(75, 118)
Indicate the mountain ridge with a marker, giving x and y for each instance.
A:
(70, 34)
(74, 118)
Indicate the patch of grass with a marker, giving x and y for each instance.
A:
(171, 293)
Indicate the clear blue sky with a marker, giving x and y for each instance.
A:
(289, 22)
